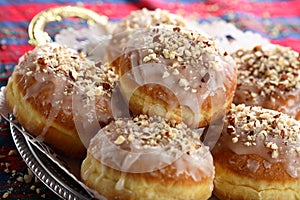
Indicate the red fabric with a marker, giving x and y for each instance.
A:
(203, 9)
(13, 52)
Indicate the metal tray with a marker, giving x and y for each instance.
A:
(46, 170)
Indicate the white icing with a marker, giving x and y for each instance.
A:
(72, 87)
(121, 182)
(286, 143)
(133, 157)
(267, 164)
(253, 165)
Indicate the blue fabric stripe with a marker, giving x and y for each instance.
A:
(239, 15)
(292, 21)
(12, 41)
(6, 70)
(25, 24)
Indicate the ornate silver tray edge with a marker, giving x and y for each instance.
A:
(59, 183)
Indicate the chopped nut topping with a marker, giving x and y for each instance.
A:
(120, 140)
(235, 140)
(145, 18)
(73, 67)
(166, 74)
(175, 72)
(141, 19)
(183, 51)
(275, 154)
(154, 131)
(183, 82)
(275, 130)
(273, 72)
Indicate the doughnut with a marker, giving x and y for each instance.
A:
(148, 158)
(139, 19)
(257, 155)
(269, 77)
(54, 92)
(178, 74)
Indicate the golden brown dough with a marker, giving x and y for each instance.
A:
(178, 74)
(269, 78)
(258, 155)
(60, 97)
(148, 158)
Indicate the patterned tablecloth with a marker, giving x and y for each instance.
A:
(277, 20)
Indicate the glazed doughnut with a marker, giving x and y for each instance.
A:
(269, 78)
(178, 74)
(139, 19)
(148, 158)
(54, 91)
(258, 155)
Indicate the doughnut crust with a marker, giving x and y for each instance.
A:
(257, 155)
(51, 93)
(269, 77)
(178, 74)
(237, 181)
(146, 186)
(125, 161)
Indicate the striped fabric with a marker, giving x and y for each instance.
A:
(277, 20)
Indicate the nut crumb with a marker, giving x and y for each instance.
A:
(166, 74)
(120, 140)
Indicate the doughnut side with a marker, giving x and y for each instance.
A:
(257, 155)
(180, 71)
(59, 132)
(158, 100)
(251, 177)
(114, 184)
(148, 157)
(61, 97)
